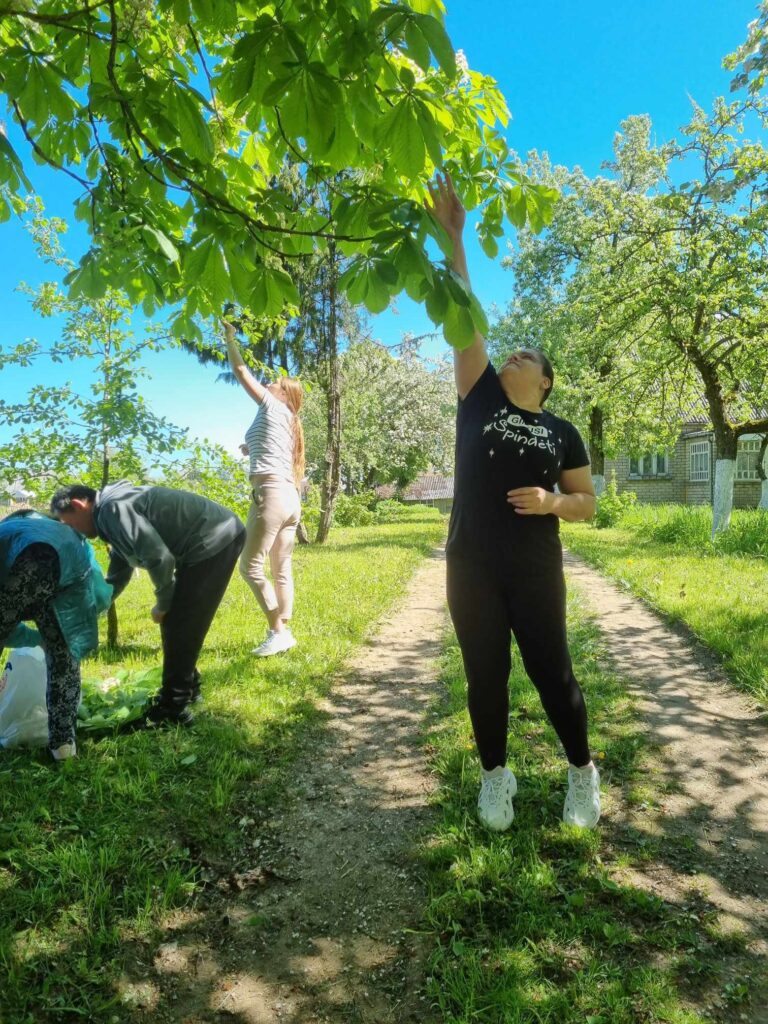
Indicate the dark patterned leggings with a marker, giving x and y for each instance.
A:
(28, 594)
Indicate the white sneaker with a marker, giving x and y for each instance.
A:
(64, 752)
(582, 804)
(275, 643)
(494, 805)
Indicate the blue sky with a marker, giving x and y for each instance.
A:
(570, 72)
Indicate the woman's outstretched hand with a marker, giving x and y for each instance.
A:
(445, 205)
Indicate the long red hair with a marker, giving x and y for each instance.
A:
(294, 396)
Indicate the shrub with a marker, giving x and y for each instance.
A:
(747, 535)
(690, 526)
(353, 510)
(613, 506)
(390, 511)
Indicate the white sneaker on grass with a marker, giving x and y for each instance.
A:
(275, 643)
(582, 803)
(494, 805)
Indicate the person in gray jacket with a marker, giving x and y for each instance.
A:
(188, 544)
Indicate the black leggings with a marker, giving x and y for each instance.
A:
(488, 604)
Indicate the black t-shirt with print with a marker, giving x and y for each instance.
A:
(500, 447)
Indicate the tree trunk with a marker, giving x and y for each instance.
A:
(597, 448)
(725, 472)
(596, 441)
(113, 626)
(726, 442)
(330, 483)
(761, 472)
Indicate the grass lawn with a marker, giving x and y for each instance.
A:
(96, 851)
(535, 925)
(721, 597)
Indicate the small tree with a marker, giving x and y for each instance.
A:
(66, 435)
(396, 414)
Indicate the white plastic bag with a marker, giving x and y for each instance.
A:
(23, 712)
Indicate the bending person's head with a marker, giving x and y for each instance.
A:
(73, 505)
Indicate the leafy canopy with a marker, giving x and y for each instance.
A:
(177, 116)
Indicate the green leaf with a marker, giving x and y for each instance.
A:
(417, 46)
(429, 131)
(479, 319)
(516, 206)
(437, 302)
(404, 140)
(189, 759)
(458, 327)
(167, 247)
(387, 272)
(321, 113)
(377, 294)
(8, 155)
(439, 43)
(356, 284)
(489, 244)
(241, 277)
(407, 77)
(87, 280)
(194, 134)
(215, 277)
(237, 78)
(274, 289)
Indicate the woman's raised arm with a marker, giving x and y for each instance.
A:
(244, 376)
(446, 208)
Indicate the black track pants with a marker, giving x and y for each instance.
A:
(490, 603)
(196, 598)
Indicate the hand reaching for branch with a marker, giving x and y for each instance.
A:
(445, 205)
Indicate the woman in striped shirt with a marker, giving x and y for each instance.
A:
(275, 443)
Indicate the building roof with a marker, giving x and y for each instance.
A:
(428, 487)
(696, 412)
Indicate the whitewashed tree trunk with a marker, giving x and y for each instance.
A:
(722, 501)
(763, 494)
(598, 482)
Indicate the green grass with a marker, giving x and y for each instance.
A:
(535, 926)
(721, 597)
(95, 853)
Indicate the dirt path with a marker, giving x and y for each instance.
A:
(320, 930)
(711, 826)
(322, 933)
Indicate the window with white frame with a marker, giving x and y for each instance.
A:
(746, 458)
(649, 465)
(698, 455)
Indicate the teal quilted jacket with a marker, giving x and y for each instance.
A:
(82, 592)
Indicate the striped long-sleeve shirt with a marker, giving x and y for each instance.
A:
(270, 439)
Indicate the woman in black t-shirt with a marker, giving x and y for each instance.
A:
(505, 565)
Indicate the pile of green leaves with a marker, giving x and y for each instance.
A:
(111, 703)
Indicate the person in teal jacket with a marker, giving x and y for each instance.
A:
(49, 575)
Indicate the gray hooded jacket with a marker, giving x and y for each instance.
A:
(158, 529)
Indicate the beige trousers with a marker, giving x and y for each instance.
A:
(271, 530)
